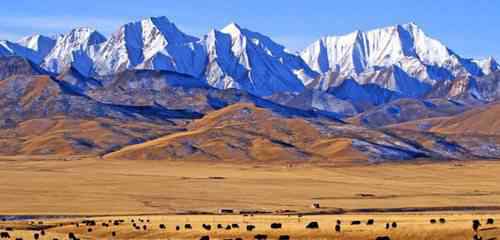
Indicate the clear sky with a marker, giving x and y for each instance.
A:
(469, 27)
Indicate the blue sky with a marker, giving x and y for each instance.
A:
(469, 27)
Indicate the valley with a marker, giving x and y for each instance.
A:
(57, 192)
(78, 185)
(156, 126)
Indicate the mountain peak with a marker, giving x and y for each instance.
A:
(232, 29)
(413, 24)
(38, 43)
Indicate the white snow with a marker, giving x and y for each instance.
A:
(72, 49)
(401, 59)
(420, 60)
(240, 58)
(154, 44)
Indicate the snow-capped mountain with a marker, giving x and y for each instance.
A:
(488, 65)
(74, 48)
(240, 58)
(8, 48)
(415, 60)
(398, 61)
(40, 44)
(153, 43)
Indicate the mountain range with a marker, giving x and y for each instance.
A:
(352, 93)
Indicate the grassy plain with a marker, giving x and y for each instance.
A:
(410, 194)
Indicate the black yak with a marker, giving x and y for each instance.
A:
(383, 238)
(207, 227)
(276, 225)
(260, 237)
(312, 225)
(250, 228)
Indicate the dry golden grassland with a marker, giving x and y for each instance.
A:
(96, 186)
(124, 189)
(458, 226)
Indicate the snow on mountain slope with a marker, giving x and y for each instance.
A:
(240, 58)
(361, 55)
(401, 60)
(42, 45)
(8, 49)
(74, 48)
(488, 65)
(153, 44)
(314, 100)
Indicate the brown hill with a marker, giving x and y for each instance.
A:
(245, 132)
(238, 132)
(66, 136)
(408, 109)
(484, 120)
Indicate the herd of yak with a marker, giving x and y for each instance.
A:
(144, 224)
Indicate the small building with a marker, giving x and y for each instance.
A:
(226, 211)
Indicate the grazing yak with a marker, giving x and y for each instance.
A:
(250, 228)
(89, 222)
(312, 225)
(162, 226)
(284, 237)
(205, 238)
(337, 228)
(72, 236)
(475, 225)
(383, 238)
(4, 235)
(433, 221)
(356, 222)
(370, 222)
(276, 225)
(207, 227)
(188, 226)
(394, 225)
(490, 221)
(260, 237)
(442, 220)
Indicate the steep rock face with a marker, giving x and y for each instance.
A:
(153, 44)
(488, 65)
(347, 74)
(9, 49)
(73, 49)
(415, 60)
(240, 58)
(40, 44)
